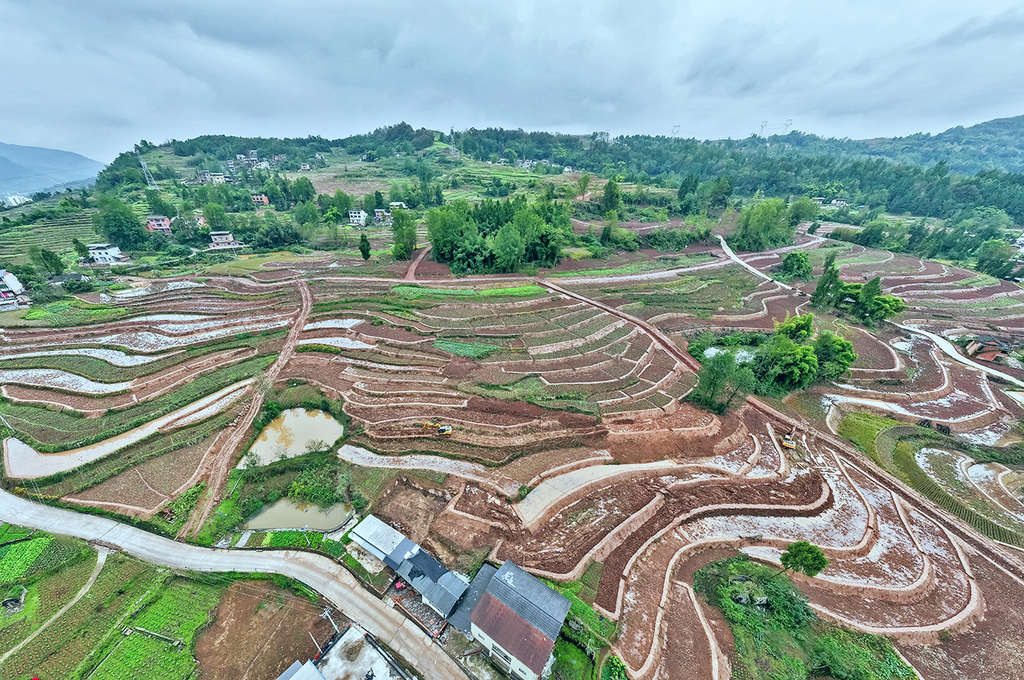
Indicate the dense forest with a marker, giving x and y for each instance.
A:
(791, 166)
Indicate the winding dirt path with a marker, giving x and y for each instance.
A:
(410, 273)
(100, 561)
(219, 465)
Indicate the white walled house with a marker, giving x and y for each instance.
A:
(223, 239)
(357, 217)
(105, 253)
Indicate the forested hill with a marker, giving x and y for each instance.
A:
(992, 145)
(818, 168)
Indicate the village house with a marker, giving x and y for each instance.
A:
(260, 199)
(105, 253)
(839, 203)
(357, 217)
(517, 621)
(64, 278)
(10, 288)
(304, 167)
(382, 215)
(440, 589)
(397, 204)
(160, 223)
(222, 240)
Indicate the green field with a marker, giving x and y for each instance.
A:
(53, 235)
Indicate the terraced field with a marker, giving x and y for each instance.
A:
(572, 443)
(55, 235)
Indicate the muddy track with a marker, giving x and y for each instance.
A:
(216, 470)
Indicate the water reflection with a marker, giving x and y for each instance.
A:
(287, 514)
(292, 432)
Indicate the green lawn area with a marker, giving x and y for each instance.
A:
(862, 428)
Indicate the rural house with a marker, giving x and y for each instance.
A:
(260, 199)
(304, 167)
(987, 348)
(64, 278)
(517, 621)
(382, 215)
(105, 253)
(439, 588)
(11, 290)
(159, 223)
(223, 239)
(357, 217)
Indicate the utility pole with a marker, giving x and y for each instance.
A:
(327, 615)
(150, 182)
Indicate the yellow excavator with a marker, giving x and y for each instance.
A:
(787, 441)
(439, 429)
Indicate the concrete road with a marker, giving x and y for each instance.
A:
(318, 572)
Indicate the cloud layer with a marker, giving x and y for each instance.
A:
(95, 77)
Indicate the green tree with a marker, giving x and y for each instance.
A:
(509, 248)
(306, 213)
(403, 228)
(802, 209)
(797, 328)
(52, 262)
(804, 557)
(81, 249)
(119, 224)
(830, 286)
(835, 355)
(763, 225)
(720, 380)
(995, 258)
(582, 184)
(158, 206)
(797, 265)
(302, 190)
(610, 224)
(341, 202)
(364, 246)
(687, 186)
(215, 216)
(782, 366)
(611, 199)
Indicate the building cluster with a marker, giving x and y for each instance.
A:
(12, 293)
(510, 613)
(380, 215)
(834, 203)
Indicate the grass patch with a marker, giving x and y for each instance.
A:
(413, 292)
(782, 639)
(862, 429)
(473, 350)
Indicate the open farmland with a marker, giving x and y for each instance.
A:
(572, 443)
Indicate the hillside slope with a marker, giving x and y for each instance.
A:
(27, 169)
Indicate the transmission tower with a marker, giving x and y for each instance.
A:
(675, 130)
(764, 124)
(150, 182)
(789, 124)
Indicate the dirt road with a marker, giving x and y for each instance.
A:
(219, 465)
(318, 572)
(410, 273)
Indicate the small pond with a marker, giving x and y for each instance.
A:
(289, 433)
(287, 514)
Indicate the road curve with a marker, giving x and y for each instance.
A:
(319, 572)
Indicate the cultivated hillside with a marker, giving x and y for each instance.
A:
(27, 169)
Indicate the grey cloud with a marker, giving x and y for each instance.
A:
(96, 77)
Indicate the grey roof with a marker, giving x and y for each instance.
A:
(439, 587)
(460, 617)
(542, 607)
(301, 671)
(377, 537)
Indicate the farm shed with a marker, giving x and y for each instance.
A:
(518, 620)
(440, 588)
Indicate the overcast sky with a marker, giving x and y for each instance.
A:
(97, 76)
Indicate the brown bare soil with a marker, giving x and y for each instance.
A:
(258, 631)
(410, 508)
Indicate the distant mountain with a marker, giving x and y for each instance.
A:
(28, 169)
(992, 145)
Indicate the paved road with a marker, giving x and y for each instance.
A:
(950, 349)
(754, 270)
(321, 573)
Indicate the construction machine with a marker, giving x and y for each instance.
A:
(438, 428)
(787, 441)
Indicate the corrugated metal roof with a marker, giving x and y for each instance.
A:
(460, 617)
(512, 632)
(376, 536)
(529, 598)
(301, 671)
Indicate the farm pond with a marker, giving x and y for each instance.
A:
(289, 434)
(287, 514)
